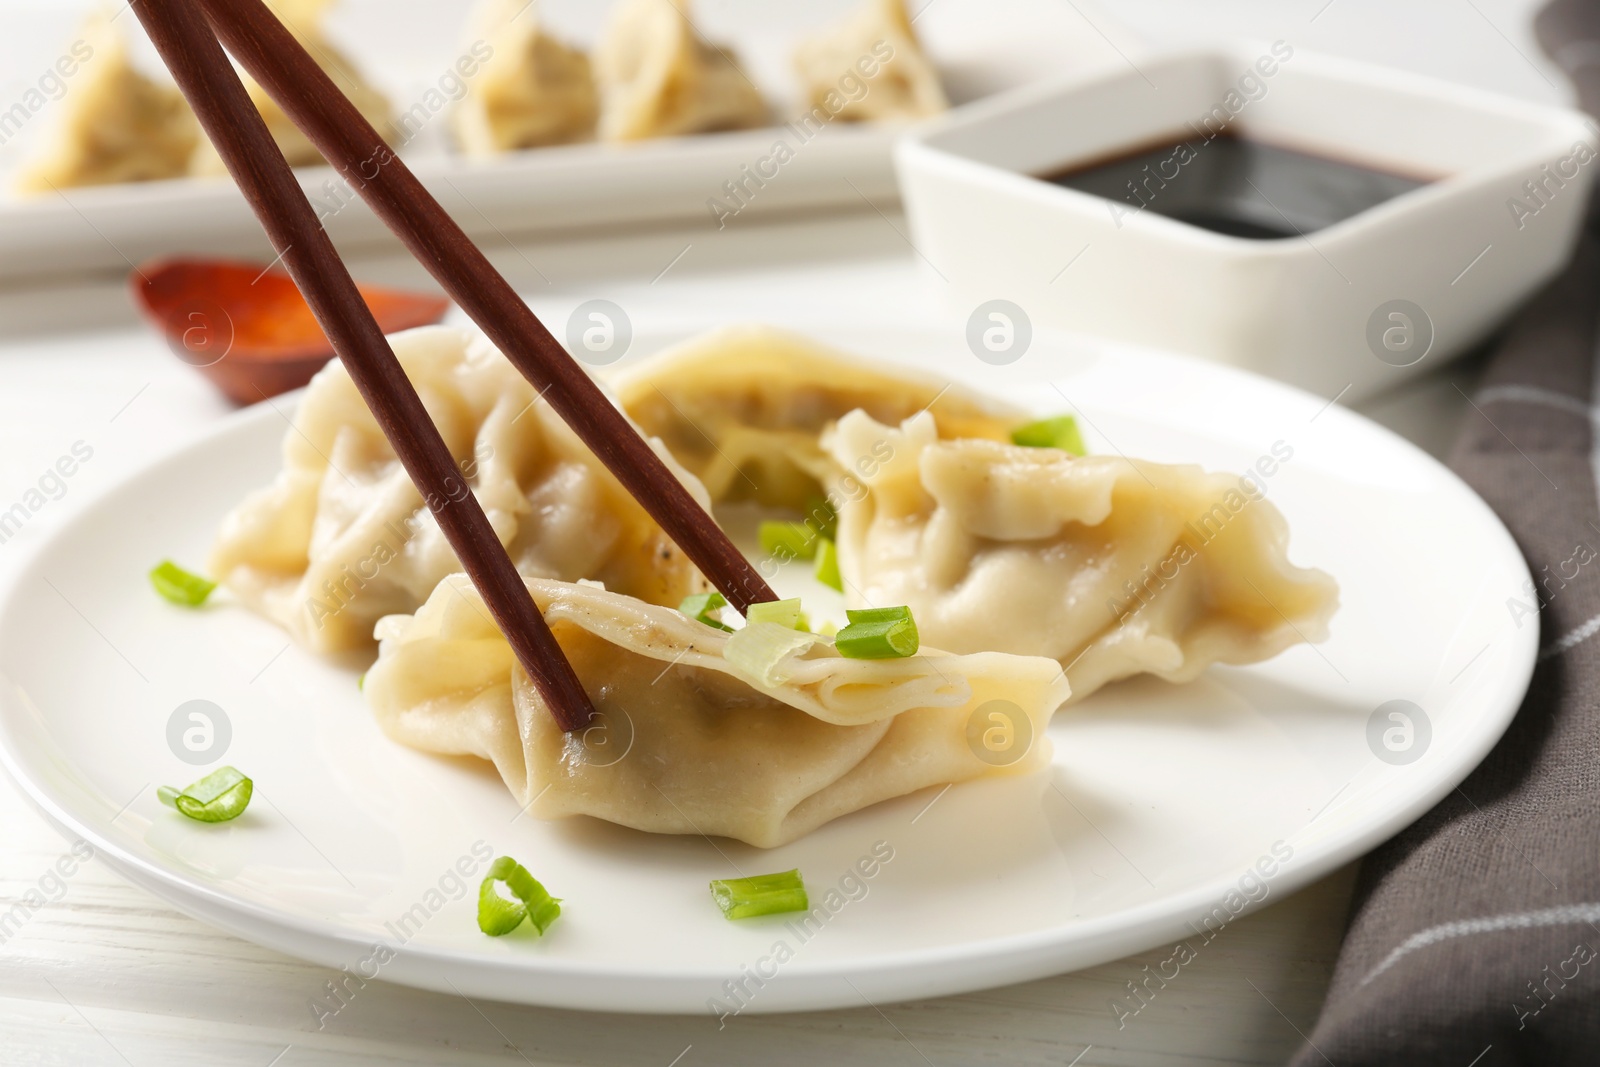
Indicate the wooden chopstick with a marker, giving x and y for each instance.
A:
(311, 100)
(189, 49)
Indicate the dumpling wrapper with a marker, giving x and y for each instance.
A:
(304, 18)
(874, 46)
(658, 78)
(744, 407)
(689, 744)
(534, 91)
(117, 124)
(342, 537)
(1113, 567)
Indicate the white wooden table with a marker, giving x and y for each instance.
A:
(107, 974)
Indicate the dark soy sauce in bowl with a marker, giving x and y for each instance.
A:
(1236, 186)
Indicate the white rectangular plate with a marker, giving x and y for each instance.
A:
(980, 46)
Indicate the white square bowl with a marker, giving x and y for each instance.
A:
(1316, 310)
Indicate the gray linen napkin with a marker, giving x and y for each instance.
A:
(1474, 938)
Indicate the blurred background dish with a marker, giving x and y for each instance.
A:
(246, 327)
(438, 72)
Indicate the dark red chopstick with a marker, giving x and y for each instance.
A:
(213, 88)
(311, 100)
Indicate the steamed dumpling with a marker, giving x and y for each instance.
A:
(534, 91)
(870, 67)
(658, 78)
(1113, 567)
(686, 742)
(342, 537)
(744, 407)
(117, 125)
(304, 19)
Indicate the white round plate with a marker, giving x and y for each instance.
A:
(1168, 812)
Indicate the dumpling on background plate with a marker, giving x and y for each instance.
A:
(1113, 567)
(744, 408)
(659, 78)
(869, 67)
(342, 537)
(117, 124)
(533, 90)
(304, 19)
(696, 738)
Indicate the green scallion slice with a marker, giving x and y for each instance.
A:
(703, 607)
(498, 914)
(765, 894)
(1060, 432)
(783, 612)
(787, 540)
(821, 517)
(219, 796)
(761, 651)
(878, 633)
(179, 586)
(827, 569)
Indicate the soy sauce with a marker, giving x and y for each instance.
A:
(1236, 186)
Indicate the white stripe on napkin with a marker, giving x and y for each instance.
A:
(1571, 640)
(1532, 394)
(1527, 920)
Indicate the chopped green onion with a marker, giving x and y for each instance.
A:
(821, 517)
(878, 633)
(179, 586)
(702, 607)
(785, 613)
(1060, 432)
(765, 894)
(219, 796)
(787, 540)
(827, 570)
(361, 682)
(760, 649)
(499, 915)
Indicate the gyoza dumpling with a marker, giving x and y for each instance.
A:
(744, 407)
(1113, 567)
(658, 78)
(534, 91)
(303, 18)
(342, 537)
(870, 67)
(688, 742)
(117, 125)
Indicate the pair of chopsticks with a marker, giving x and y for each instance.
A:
(189, 35)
